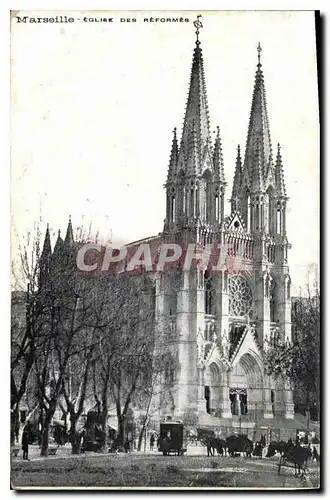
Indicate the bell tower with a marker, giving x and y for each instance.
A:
(259, 195)
(195, 185)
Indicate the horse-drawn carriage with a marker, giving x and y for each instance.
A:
(171, 438)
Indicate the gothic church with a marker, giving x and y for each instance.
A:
(223, 323)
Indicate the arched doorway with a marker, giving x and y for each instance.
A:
(212, 388)
(246, 386)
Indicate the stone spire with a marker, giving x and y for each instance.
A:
(218, 159)
(172, 168)
(47, 248)
(45, 259)
(279, 174)
(258, 142)
(69, 240)
(195, 186)
(196, 121)
(237, 184)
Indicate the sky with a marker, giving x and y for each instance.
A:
(93, 107)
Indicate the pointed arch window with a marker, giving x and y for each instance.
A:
(216, 205)
(248, 211)
(257, 215)
(173, 208)
(208, 290)
(272, 301)
(192, 203)
(278, 219)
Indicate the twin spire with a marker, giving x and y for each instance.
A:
(196, 153)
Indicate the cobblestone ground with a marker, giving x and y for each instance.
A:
(152, 470)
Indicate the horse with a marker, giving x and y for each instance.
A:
(212, 444)
(239, 444)
(298, 455)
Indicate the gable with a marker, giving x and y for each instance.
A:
(235, 222)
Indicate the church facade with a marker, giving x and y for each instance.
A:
(222, 322)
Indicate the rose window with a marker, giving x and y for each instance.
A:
(240, 296)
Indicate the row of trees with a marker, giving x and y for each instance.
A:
(85, 339)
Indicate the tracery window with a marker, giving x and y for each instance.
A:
(240, 296)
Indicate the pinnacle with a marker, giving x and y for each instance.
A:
(217, 157)
(279, 174)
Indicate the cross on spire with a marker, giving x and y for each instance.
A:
(198, 25)
(259, 49)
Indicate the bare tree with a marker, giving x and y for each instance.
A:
(25, 327)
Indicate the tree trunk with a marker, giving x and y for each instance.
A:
(103, 441)
(45, 438)
(121, 431)
(140, 438)
(75, 437)
(14, 427)
(142, 433)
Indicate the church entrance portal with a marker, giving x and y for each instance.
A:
(238, 401)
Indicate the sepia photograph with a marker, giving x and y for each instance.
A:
(165, 242)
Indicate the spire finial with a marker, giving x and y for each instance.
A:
(198, 25)
(259, 49)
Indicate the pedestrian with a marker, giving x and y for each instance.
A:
(263, 440)
(25, 444)
(126, 445)
(315, 454)
(152, 442)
